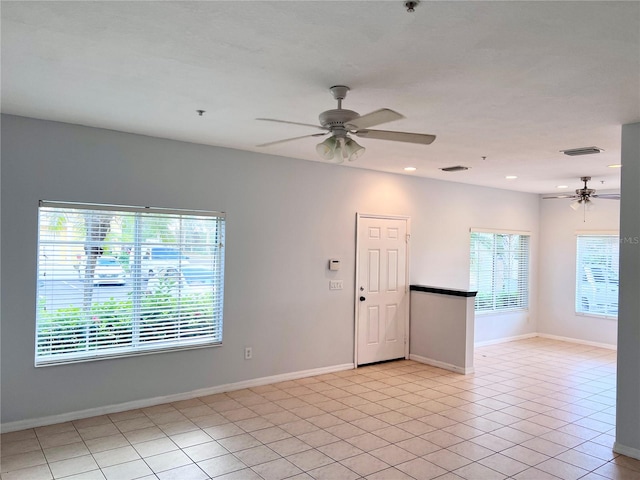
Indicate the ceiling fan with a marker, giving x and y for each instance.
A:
(341, 123)
(584, 195)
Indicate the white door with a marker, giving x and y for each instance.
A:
(382, 294)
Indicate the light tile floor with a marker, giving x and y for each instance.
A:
(535, 409)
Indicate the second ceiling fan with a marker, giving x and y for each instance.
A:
(583, 196)
(341, 123)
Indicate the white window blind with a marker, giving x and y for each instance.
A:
(597, 274)
(116, 280)
(500, 271)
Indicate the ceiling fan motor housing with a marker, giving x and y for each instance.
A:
(337, 117)
(585, 192)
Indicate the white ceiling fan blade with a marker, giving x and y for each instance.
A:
(378, 117)
(421, 138)
(291, 139)
(291, 123)
(560, 196)
(608, 196)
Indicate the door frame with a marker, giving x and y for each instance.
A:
(407, 220)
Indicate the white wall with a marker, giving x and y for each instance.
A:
(442, 248)
(557, 269)
(285, 219)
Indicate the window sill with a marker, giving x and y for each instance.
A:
(484, 313)
(597, 315)
(51, 361)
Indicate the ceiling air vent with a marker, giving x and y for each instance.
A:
(457, 168)
(582, 151)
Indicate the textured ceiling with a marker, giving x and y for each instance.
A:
(513, 81)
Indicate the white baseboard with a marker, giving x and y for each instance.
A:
(627, 451)
(505, 339)
(439, 364)
(150, 402)
(545, 335)
(576, 340)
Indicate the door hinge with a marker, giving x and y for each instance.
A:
(408, 237)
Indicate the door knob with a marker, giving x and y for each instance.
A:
(362, 299)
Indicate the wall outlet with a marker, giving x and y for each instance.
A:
(335, 284)
(248, 353)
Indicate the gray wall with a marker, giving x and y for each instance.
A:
(628, 402)
(285, 219)
(442, 330)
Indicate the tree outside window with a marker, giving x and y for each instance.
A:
(116, 281)
(499, 271)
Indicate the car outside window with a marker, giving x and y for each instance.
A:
(115, 281)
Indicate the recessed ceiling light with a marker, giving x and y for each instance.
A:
(562, 186)
(410, 169)
(511, 177)
(615, 165)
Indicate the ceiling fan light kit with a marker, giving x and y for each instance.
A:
(588, 205)
(411, 6)
(339, 147)
(341, 123)
(352, 150)
(327, 148)
(584, 197)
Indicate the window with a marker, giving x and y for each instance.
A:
(116, 280)
(500, 270)
(597, 274)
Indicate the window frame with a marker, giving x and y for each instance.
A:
(192, 320)
(523, 280)
(584, 274)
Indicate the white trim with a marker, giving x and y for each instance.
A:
(383, 216)
(439, 364)
(150, 402)
(628, 451)
(500, 231)
(577, 340)
(491, 313)
(130, 208)
(407, 266)
(598, 233)
(356, 306)
(596, 315)
(505, 340)
(608, 346)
